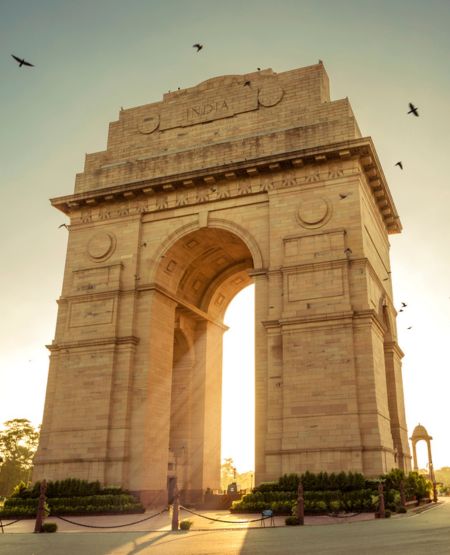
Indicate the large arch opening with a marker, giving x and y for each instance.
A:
(201, 272)
(238, 392)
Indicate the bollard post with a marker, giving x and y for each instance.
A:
(175, 508)
(40, 515)
(402, 494)
(435, 495)
(300, 504)
(381, 509)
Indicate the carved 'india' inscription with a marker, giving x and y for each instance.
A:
(207, 110)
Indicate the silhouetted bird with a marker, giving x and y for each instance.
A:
(400, 165)
(197, 46)
(410, 327)
(344, 195)
(348, 251)
(386, 279)
(63, 225)
(401, 310)
(413, 110)
(21, 61)
(258, 68)
(247, 84)
(404, 305)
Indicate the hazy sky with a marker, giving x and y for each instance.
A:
(92, 57)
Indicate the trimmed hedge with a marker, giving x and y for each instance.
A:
(24, 501)
(71, 487)
(344, 481)
(332, 493)
(316, 502)
(74, 509)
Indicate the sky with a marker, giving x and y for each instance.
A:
(92, 57)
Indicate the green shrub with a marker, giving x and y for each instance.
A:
(292, 521)
(401, 509)
(71, 487)
(17, 502)
(185, 524)
(49, 527)
(17, 512)
(289, 482)
(335, 506)
(74, 505)
(249, 507)
(281, 507)
(417, 486)
(20, 490)
(393, 479)
(267, 486)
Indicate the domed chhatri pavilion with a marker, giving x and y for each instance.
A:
(420, 433)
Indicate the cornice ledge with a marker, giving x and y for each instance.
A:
(362, 148)
(126, 340)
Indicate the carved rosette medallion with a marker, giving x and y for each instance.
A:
(313, 212)
(270, 94)
(148, 124)
(101, 246)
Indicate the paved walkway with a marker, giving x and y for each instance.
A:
(413, 534)
(162, 523)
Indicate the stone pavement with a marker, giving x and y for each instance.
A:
(427, 532)
(162, 523)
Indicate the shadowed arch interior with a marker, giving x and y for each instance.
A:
(206, 269)
(202, 271)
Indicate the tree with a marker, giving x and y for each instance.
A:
(227, 473)
(18, 444)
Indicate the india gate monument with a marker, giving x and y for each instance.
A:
(257, 178)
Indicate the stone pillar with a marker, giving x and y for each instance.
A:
(262, 464)
(392, 357)
(416, 468)
(206, 410)
(151, 398)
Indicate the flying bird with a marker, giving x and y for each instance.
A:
(63, 225)
(247, 84)
(348, 251)
(22, 61)
(400, 165)
(386, 279)
(410, 327)
(404, 305)
(413, 110)
(258, 68)
(197, 46)
(344, 195)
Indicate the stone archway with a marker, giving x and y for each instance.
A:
(197, 276)
(194, 197)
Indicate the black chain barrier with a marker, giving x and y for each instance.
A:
(3, 525)
(226, 521)
(116, 526)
